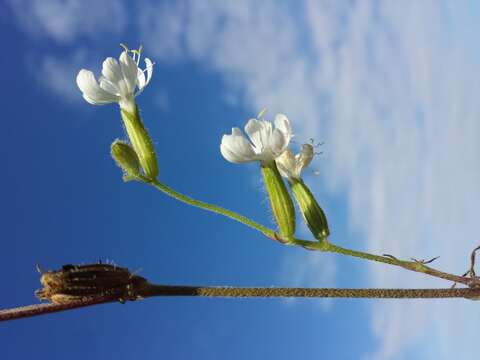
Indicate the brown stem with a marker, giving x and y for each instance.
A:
(152, 290)
(41, 309)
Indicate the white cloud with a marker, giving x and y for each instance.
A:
(393, 89)
(66, 21)
(57, 74)
(162, 18)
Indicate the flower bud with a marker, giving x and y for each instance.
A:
(280, 200)
(141, 142)
(126, 159)
(312, 213)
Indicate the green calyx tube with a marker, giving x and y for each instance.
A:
(280, 200)
(312, 212)
(141, 142)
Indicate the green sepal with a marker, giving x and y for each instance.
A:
(141, 142)
(312, 213)
(280, 200)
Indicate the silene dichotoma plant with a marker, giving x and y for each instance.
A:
(265, 143)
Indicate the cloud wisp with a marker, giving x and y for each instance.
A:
(66, 21)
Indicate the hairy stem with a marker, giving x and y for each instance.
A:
(210, 207)
(153, 290)
(324, 246)
(252, 292)
(417, 266)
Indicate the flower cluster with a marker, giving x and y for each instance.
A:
(121, 81)
(269, 146)
(266, 144)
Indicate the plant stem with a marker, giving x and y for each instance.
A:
(153, 290)
(323, 246)
(416, 265)
(252, 292)
(210, 207)
(42, 309)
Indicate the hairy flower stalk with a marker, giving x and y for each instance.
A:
(121, 81)
(265, 143)
(291, 167)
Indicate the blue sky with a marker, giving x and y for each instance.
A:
(391, 87)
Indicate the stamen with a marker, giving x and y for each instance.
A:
(138, 54)
(261, 113)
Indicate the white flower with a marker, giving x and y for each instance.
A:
(120, 81)
(265, 142)
(291, 166)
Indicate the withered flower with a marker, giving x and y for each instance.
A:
(86, 282)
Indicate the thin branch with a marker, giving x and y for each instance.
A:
(41, 309)
(324, 246)
(416, 266)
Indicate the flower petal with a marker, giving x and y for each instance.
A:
(141, 82)
(305, 157)
(230, 156)
(111, 71)
(278, 142)
(282, 123)
(236, 148)
(107, 85)
(149, 69)
(259, 132)
(286, 164)
(129, 70)
(92, 92)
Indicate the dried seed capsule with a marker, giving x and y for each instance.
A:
(80, 282)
